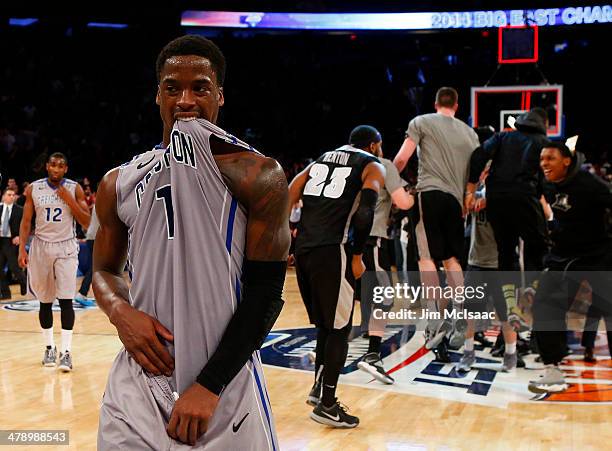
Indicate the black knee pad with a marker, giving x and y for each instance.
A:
(67, 314)
(45, 315)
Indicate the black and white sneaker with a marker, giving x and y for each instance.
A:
(314, 397)
(436, 332)
(441, 351)
(335, 416)
(372, 364)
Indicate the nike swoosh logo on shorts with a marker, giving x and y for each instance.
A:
(235, 426)
(142, 165)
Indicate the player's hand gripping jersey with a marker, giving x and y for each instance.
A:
(186, 248)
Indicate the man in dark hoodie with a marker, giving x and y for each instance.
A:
(581, 251)
(514, 189)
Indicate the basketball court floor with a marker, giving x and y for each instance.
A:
(431, 407)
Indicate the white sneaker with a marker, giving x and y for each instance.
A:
(552, 381)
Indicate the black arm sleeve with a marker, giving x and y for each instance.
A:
(481, 155)
(363, 219)
(261, 303)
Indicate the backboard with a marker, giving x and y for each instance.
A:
(492, 105)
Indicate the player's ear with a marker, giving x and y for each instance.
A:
(456, 107)
(221, 98)
(157, 96)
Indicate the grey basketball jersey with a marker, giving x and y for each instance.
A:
(54, 220)
(186, 247)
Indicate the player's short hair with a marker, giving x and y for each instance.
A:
(561, 147)
(59, 156)
(447, 97)
(364, 135)
(193, 45)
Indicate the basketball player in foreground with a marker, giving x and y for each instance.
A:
(203, 222)
(339, 192)
(54, 253)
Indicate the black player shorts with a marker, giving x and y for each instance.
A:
(326, 283)
(439, 226)
(378, 270)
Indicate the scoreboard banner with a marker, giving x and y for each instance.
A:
(544, 17)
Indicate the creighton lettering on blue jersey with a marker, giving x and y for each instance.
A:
(187, 237)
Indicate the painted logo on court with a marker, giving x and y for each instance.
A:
(417, 373)
(33, 305)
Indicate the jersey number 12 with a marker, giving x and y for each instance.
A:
(54, 214)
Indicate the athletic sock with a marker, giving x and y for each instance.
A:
(48, 337)
(66, 340)
(374, 344)
(510, 348)
(320, 350)
(432, 305)
(509, 292)
(328, 397)
(335, 356)
(469, 344)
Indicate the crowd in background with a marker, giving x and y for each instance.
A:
(91, 93)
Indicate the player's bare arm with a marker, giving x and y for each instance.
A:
(25, 227)
(296, 187)
(77, 204)
(402, 199)
(404, 154)
(260, 185)
(140, 333)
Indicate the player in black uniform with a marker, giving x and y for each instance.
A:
(581, 250)
(339, 192)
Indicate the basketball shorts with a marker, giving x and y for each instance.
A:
(52, 269)
(378, 267)
(326, 283)
(439, 226)
(378, 273)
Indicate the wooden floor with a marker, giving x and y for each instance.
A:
(33, 397)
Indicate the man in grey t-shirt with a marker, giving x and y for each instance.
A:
(444, 146)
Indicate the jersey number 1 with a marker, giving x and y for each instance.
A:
(318, 181)
(164, 194)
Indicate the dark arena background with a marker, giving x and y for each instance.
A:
(83, 83)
